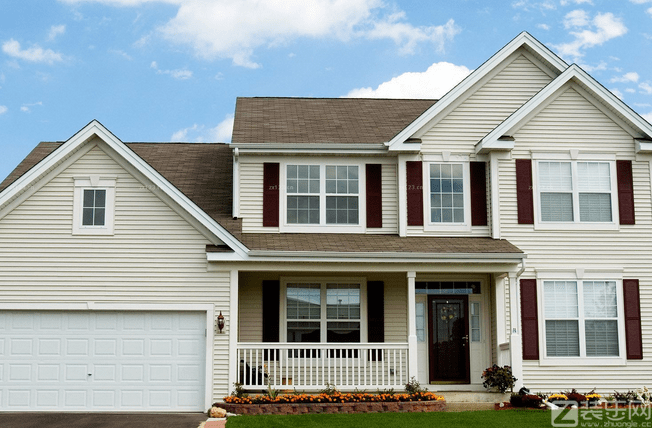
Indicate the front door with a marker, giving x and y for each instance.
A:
(448, 339)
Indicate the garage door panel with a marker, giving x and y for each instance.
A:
(96, 360)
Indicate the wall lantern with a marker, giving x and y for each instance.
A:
(220, 322)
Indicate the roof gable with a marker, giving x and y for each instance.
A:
(57, 155)
(500, 138)
(537, 51)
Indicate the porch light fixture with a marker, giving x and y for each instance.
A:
(220, 322)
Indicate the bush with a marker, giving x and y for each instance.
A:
(412, 387)
(499, 377)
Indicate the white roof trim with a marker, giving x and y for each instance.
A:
(281, 148)
(95, 128)
(492, 140)
(523, 39)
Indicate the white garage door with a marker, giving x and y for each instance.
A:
(102, 361)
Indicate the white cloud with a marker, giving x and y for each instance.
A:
(591, 68)
(33, 54)
(235, 29)
(630, 90)
(567, 2)
(55, 31)
(589, 32)
(617, 93)
(543, 26)
(576, 18)
(3, 109)
(201, 134)
(645, 88)
(438, 79)
(27, 108)
(647, 117)
(179, 74)
(625, 78)
(121, 53)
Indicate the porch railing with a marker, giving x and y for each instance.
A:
(312, 366)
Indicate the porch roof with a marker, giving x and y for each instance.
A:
(362, 243)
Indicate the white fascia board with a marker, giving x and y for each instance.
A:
(523, 39)
(95, 128)
(340, 257)
(319, 149)
(514, 122)
(643, 146)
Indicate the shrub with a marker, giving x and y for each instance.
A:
(573, 395)
(412, 387)
(239, 391)
(499, 377)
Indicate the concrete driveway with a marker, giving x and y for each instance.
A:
(101, 420)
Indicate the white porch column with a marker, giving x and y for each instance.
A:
(232, 329)
(412, 327)
(515, 341)
(501, 321)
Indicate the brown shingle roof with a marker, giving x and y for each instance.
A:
(323, 120)
(356, 243)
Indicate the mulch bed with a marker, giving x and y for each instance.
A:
(306, 408)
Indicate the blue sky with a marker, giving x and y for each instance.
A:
(170, 70)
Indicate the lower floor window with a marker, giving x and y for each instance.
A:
(581, 318)
(323, 311)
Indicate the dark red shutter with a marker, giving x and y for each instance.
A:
(529, 319)
(374, 195)
(375, 317)
(414, 180)
(478, 194)
(270, 194)
(524, 196)
(632, 303)
(625, 191)
(271, 314)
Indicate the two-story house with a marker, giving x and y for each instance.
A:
(352, 242)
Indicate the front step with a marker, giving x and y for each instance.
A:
(474, 397)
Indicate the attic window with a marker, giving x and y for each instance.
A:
(93, 205)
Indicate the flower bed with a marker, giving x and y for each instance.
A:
(334, 403)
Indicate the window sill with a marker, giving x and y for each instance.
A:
(93, 231)
(583, 361)
(575, 226)
(321, 228)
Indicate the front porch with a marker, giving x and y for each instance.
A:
(347, 343)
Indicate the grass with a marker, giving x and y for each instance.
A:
(484, 419)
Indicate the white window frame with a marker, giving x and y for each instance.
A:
(323, 227)
(93, 182)
(576, 224)
(323, 320)
(464, 226)
(580, 276)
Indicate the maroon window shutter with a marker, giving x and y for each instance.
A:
(633, 337)
(375, 317)
(414, 193)
(625, 191)
(529, 319)
(374, 195)
(524, 196)
(478, 194)
(270, 194)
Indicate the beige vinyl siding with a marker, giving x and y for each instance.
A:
(390, 200)
(154, 257)
(251, 198)
(481, 112)
(569, 122)
(250, 310)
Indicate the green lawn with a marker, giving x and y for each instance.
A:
(484, 419)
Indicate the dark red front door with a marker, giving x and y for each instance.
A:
(448, 339)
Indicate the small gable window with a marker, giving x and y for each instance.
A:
(94, 207)
(94, 199)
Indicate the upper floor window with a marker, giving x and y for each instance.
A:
(576, 191)
(94, 207)
(446, 193)
(322, 195)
